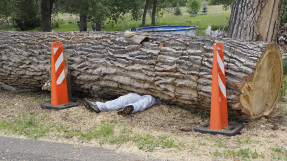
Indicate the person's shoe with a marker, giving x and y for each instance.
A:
(90, 106)
(127, 110)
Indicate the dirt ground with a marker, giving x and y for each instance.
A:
(265, 137)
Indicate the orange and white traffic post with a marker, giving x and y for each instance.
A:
(218, 112)
(59, 89)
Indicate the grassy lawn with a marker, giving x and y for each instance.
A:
(216, 17)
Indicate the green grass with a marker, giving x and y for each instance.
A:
(243, 141)
(242, 154)
(32, 127)
(27, 125)
(280, 153)
(216, 17)
(149, 142)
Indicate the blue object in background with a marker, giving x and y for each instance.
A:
(181, 29)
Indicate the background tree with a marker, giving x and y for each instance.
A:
(204, 8)
(177, 11)
(27, 15)
(46, 14)
(136, 9)
(153, 12)
(156, 7)
(79, 7)
(112, 10)
(193, 7)
(6, 10)
(144, 12)
(98, 11)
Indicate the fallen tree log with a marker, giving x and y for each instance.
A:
(176, 68)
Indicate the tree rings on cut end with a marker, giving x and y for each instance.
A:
(261, 93)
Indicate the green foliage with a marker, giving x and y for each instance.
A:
(6, 8)
(193, 7)
(136, 11)
(283, 91)
(173, 3)
(98, 11)
(204, 8)
(177, 11)
(284, 13)
(284, 67)
(216, 16)
(27, 15)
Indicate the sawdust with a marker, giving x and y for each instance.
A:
(259, 135)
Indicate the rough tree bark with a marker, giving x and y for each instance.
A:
(256, 20)
(144, 12)
(153, 13)
(83, 22)
(176, 68)
(46, 12)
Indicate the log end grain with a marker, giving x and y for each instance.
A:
(260, 94)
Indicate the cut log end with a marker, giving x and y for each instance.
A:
(260, 94)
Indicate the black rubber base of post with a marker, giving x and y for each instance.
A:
(231, 130)
(58, 107)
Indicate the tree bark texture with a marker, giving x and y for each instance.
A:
(153, 13)
(256, 20)
(144, 12)
(46, 12)
(176, 68)
(83, 22)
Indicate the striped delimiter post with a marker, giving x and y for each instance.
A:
(218, 113)
(59, 65)
(59, 92)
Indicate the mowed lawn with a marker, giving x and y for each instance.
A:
(215, 16)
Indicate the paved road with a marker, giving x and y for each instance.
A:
(30, 150)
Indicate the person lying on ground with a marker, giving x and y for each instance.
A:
(128, 104)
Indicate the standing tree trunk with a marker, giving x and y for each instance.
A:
(256, 20)
(83, 22)
(46, 12)
(144, 13)
(153, 13)
(98, 26)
